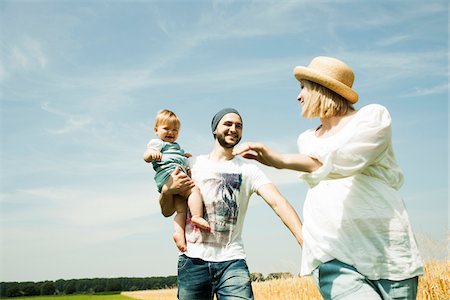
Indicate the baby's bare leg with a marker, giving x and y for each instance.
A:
(195, 203)
(179, 223)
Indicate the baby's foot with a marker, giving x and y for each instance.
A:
(180, 241)
(200, 222)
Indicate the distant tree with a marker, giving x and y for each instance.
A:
(70, 288)
(60, 285)
(256, 277)
(280, 275)
(286, 275)
(113, 285)
(48, 288)
(30, 289)
(99, 288)
(13, 290)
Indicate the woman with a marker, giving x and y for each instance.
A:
(358, 241)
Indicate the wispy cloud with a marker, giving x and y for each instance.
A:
(438, 89)
(71, 123)
(392, 40)
(26, 54)
(386, 66)
(81, 207)
(224, 22)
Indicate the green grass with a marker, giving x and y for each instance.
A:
(75, 297)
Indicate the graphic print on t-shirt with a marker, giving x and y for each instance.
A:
(221, 209)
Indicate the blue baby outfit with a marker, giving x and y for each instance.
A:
(173, 156)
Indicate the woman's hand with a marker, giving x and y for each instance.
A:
(268, 157)
(258, 152)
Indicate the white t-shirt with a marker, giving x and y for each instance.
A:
(226, 187)
(353, 211)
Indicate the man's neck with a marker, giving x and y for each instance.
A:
(220, 153)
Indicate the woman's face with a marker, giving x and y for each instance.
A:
(304, 96)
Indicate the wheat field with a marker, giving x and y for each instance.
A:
(434, 285)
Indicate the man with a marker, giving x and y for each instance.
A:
(214, 262)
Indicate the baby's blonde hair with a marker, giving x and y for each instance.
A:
(324, 103)
(165, 116)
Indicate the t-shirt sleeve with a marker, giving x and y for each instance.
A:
(258, 178)
(191, 161)
(155, 144)
(361, 148)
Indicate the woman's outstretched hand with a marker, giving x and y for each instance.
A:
(258, 152)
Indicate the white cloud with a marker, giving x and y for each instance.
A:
(438, 89)
(27, 54)
(71, 122)
(380, 67)
(3, 74)
(83, 206)
(392, 40)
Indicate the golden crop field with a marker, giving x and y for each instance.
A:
(434, 285)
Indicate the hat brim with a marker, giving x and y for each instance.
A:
(328, 82)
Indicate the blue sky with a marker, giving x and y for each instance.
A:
(81, 82)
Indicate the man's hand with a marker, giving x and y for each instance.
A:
(179, 182)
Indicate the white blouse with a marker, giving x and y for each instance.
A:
(353, 211)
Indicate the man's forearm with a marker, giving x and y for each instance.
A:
(290, 218)
(283, 209)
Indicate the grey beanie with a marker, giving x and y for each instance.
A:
(219, 116)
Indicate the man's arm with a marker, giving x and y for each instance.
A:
(283, 209)
(177, 183)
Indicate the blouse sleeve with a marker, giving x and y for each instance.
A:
(155, 144)
(350, 155)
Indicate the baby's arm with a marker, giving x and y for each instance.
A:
(153, 151)
(151, 155)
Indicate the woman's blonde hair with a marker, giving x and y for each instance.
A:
(323, 102)
(165, 116)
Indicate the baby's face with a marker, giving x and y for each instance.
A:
(167, 132)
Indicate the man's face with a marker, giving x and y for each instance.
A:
(229, 130)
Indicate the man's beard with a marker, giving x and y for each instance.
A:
(221, 139)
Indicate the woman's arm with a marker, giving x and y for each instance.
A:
(268, 157)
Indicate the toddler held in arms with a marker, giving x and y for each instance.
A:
(166, 155)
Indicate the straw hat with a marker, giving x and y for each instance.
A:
(331, 73)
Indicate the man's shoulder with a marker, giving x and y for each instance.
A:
(246, 164)
(198, 159)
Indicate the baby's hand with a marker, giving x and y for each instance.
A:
(151, 155)
(156, 155)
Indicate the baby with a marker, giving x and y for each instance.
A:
(165, 155)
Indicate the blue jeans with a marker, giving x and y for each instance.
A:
(199, 279)
(337, 280)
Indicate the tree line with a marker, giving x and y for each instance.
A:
(85, 286)
(101, 285)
